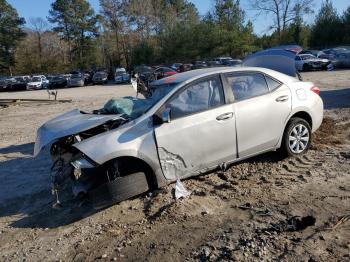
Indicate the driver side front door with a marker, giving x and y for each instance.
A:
(201, 133)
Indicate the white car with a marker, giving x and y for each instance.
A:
(307, 62)
(191, 123)
(38, 82)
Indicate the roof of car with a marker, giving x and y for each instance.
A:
(195, 74)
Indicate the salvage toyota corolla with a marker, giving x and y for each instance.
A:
(194, 122)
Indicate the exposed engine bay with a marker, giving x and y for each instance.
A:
(69, 162)
(66, 131)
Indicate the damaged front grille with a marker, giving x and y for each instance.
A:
(64, 156)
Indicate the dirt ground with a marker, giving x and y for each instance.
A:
(247, 213)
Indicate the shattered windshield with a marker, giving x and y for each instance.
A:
(131, 107)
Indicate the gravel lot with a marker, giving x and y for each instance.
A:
(241, 214)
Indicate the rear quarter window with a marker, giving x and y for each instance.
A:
(272, 83)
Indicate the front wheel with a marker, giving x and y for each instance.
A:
(306, 67)
(118, 190)
(296, 137)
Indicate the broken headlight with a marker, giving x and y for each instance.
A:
(81, 163)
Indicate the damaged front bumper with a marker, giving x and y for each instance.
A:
(62, 133)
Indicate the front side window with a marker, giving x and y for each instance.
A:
(247, 85)
(198, 97)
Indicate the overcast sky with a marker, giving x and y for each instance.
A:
(40, 8)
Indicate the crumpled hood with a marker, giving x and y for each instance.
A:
(69, 123)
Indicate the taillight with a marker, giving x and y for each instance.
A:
(315, 89)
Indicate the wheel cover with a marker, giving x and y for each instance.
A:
(299, 139)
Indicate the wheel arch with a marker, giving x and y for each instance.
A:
(303, 114)
(133, 164)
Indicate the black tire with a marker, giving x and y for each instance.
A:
(306, 67)
(287, 143)
(118, 190)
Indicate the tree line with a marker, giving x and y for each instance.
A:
(131, 32)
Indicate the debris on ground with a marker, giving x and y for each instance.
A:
(180, 190)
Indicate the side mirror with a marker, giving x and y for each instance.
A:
(166, 116)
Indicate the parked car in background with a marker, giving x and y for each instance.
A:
(310, 52)
(76, 80)
(24, 78)
(4, 84)
(88, 77)
(232, 62)
(121, 76)
(331, 53)
(213, 63)
(100, 77)
(223, 60)
(18, 83)
(176, 66)
(161, 72)
(57, 82)
(66, 76)
(37, 82)
(142, 70)
(187, 67)
(306, 62)
(199, 65)
(342, 60)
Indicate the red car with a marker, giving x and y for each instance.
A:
(162, 72)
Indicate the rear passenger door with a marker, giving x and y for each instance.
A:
(262, 106)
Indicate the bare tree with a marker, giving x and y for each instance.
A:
(284, 11)
(114, 20)
(38, 26)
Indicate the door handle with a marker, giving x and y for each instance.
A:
(224, 116)
(282, 98)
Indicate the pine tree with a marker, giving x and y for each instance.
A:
(10, 34)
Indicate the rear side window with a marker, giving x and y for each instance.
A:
(247, 85)
(197, 97)
(272, 83)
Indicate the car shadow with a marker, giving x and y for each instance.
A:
(336, 99)
(24, 149)
(25, 191)
(32, 204)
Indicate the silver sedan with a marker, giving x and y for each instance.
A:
(194, 122)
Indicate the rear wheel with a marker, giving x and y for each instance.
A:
(296, 137)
